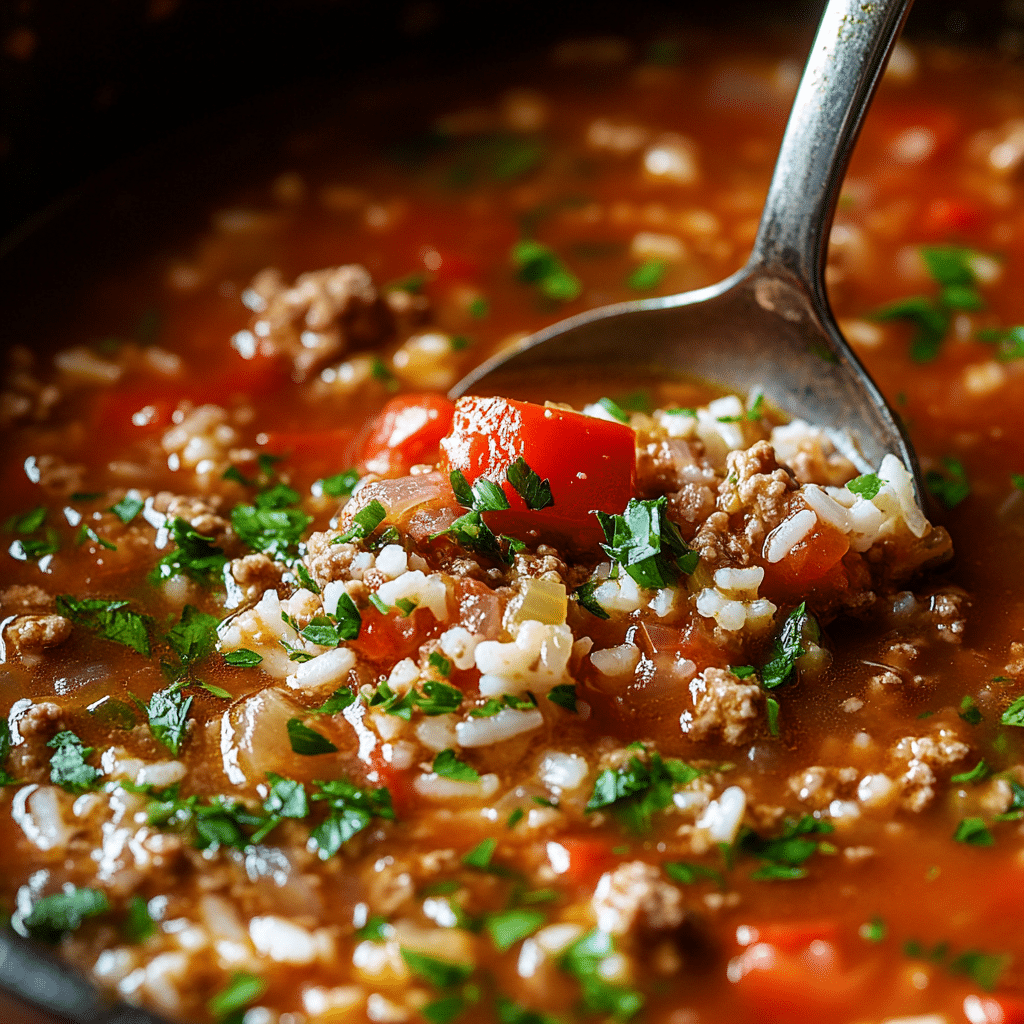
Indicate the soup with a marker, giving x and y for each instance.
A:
(607, 698)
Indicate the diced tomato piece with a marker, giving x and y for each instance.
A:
(798, 978)
(590, 463)
(406, 432)
(397, 780)
(393, 636)
(788, 936)
(149, 405)
(944, 217)
(589, 858)
(808, 562)
(994, 1009)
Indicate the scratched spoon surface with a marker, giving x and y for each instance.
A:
(769, 326)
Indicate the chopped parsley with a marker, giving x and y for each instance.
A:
(564, 695)
(647, 544)
(867, 485)
(243, 658)
(321, 631)
(974, 832)
(637, 790)
(63, 912)
(969, 711)
(127, 508)
(471, 532)
(584, 595)
(482, 496)
(440, 664)
(788, 647)
(307, 741)
(364, 522)
(535, 492)
(948, 484)
(538, 265)
(583, 961)
(438, 698)
(6, 779)
(688, 874)
(110, 620)
(448, 766)
(613, 409)
(647, 276)
(391, 703)
(782, 857)
(874, 930)
(1014, 714)
(511, 926)
(480, 856)
(984, 969)
(195, 555)
(772, 714)
(351, 809)
(26, 522)
(191, 640)
(1009, 342)
(68, 767)
(240, 992)
(341, 485)
(167, 711)
(950, 267)
(138, 923)
(273, 530)
(337, 702)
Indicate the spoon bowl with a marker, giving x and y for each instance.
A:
(768, 328)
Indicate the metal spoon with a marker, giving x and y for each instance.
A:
(768, 326)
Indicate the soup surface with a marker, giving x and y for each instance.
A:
(608, 699)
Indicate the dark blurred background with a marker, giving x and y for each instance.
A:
(84, 84)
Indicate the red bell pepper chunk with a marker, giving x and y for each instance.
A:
(590, 463)
(406, 432)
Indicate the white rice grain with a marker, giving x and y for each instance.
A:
(788, 534)
(508, 722)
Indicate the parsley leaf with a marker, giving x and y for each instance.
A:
(127, 508)
(637, 790)
(63, 912)
(471, 532)
(950, 484)
(243, 658)
(168, 717)
(978, 773)
(68, 768)
(138, 924)
(647, 544)
(534, 491)
(337, 702)
(107, 619)
(482, 496)
(307, 741)
(192, 639)
(364, 522)
(647, 276)
(783, 856)
(583, 960)
(788, 647)
(240, 992)
(974, 832)
(195, 556)
(1014, 714)
(984, 969)
(273, 530)
(439, 973)
(440, 664)
(351, 810)
(537, 264)
(480, 856)
(564, 695)
(511, 926)
(26, 522)
(448, 766)
(341, 485)
(867, 485)
(688, 874)
(438, 698)
(584, 595)
(322, 632)
(391, 703)
(613, 409)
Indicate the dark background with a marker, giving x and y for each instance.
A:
(83, 84)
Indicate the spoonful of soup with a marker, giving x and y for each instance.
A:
(768, 328)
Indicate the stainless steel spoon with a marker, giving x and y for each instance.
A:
(768, 326)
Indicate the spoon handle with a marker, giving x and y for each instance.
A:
(850, 50)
